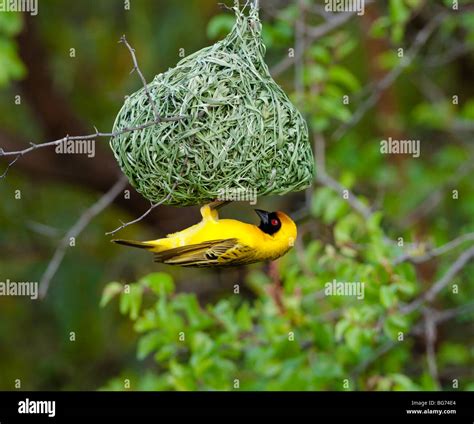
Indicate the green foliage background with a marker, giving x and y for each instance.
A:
(179, 329)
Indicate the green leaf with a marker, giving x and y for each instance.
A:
(379, 27)
(453, 353)
(244, 318)
(345, 48)
(10, 23)
(398, 30)
(219, 26)
(394, 324)
(319, 123)
(165, 353)
(188, 303)
(335, 209)
(348, 228)
(398, 11)
(334, 108)
(388, 59)
(399, 321)
(341, 328)
(415, 3)
(468, 110)
(131, 300)
(344, 76)
(320, 54)
(403, 383)
(148, 343)
(354, 338)
(388, 297)
(181, 377)
(314, 74)
(407, 287)
(289, 14)
(160, 283)
(11, 66)
(110, 291)
(280, 33)
(320, 199)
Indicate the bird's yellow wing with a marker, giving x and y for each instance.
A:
(209, 253)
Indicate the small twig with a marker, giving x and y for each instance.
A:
(299, 249)
(158, 119)
(436, 196)
(353, 201)
(145, 214)
(20, 153)
(300, 41)
(448, 314)
(9, 165)
(275, 290)
(439, 285)
(123, 40)
(441, 250)
(380, 351)
(84, 137)
(438, 318)
(153, 206)
(324, 179)
(42, 229)
(385, 82)
(313, 34)
(320, 152)
(430, 340)
(77, 229)
(452, 53)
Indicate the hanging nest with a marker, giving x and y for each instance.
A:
(237, 128)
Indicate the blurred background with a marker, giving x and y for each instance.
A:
(403, 69)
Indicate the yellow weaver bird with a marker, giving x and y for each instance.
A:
(215, 242)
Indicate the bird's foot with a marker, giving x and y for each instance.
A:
(208, 213)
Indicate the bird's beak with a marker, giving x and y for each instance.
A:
(263, 215)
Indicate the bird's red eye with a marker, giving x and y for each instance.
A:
(275, 222)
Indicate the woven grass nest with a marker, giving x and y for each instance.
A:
(238, 130)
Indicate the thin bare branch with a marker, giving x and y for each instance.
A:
(353, 201)
(439, 285)
(76, 230)
(430, 340)
(146, 213)
(320, 152)
(436, 196)
(158, 119)
(136, 68)
(9, 165)
(300, 41)
(141, 217)
(313, 34)
(448, 314)
(380, 351)
(85, 137)
(454, 52)
(441, 250)
(385, 82)
(438, 318)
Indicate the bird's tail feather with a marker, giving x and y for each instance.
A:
(133, 243)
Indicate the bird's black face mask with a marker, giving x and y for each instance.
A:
(269, 221)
